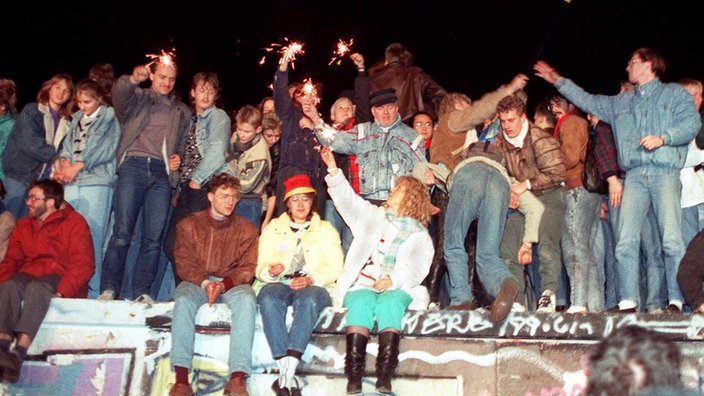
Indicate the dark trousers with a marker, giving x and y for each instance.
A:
(690, 274)
(24, 301)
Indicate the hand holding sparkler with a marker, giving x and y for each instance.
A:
(358, 60)
(310, 111)
(328, 158)
(139, 74)
(289, 53)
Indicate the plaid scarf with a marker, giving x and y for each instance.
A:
(405, 226)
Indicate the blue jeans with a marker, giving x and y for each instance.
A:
(478, 192)
(333, 216)
(652, 291)
(16, 192)
(142, 183)
(274, 300)
(578, 230)
(690, 223)
(188, 298)
(250, 209)
(94, 203)
(645, 189)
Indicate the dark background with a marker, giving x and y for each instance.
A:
(471, 51)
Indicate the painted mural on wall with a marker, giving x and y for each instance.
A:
(89, 347)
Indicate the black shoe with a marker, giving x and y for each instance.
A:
(295, 390)
(673, 308)
(281, 391)
(10, 365)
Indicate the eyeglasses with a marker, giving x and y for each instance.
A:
(225, 197)
(33, 199)
(633, 61)
(302, 198)
(423, 124)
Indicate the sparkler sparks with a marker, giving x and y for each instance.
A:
(310, 90)
(167, 58)
(328, 134)
(343, 48)
(287, 49)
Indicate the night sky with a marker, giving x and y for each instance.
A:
(472, 52)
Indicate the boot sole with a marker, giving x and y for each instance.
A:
(503, 303)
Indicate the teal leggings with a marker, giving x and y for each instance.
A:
(388, 308)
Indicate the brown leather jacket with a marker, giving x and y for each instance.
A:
(415, 89)
(540, 159)
(573, 136)
(205, 246)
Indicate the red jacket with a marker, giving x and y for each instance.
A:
(60, 245)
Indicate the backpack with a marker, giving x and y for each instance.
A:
(591, 177)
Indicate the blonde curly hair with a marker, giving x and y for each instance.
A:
(416, 201)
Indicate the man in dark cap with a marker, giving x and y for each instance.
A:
(385, 148)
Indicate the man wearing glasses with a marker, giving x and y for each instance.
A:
(215, 256)
(50, 254)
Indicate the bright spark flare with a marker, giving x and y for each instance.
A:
(309, 90)
(287, 49)
(328, 134)
(343, 48)
(167, 58)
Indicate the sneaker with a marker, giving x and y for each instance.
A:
(675, 306)
(518, 307)
(624, 306)
(434, 306)
(145, 298)
(107, 295)
(576, 309)
(547, 303)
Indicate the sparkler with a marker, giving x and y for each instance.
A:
(343, 48)
(167, 58)
(288, 50)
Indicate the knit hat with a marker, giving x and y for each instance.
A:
(297, 184)
(382, 97)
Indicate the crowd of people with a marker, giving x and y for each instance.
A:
(275, 206)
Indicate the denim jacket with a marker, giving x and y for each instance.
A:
(99, 154)
(655, 108)
(32, 144)
(212, 137)
(383, 154)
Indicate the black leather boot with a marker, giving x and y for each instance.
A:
(355, 360)
(386, 360)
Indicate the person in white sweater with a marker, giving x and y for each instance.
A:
(388, 259)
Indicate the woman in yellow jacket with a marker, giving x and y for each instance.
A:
(300, 258)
